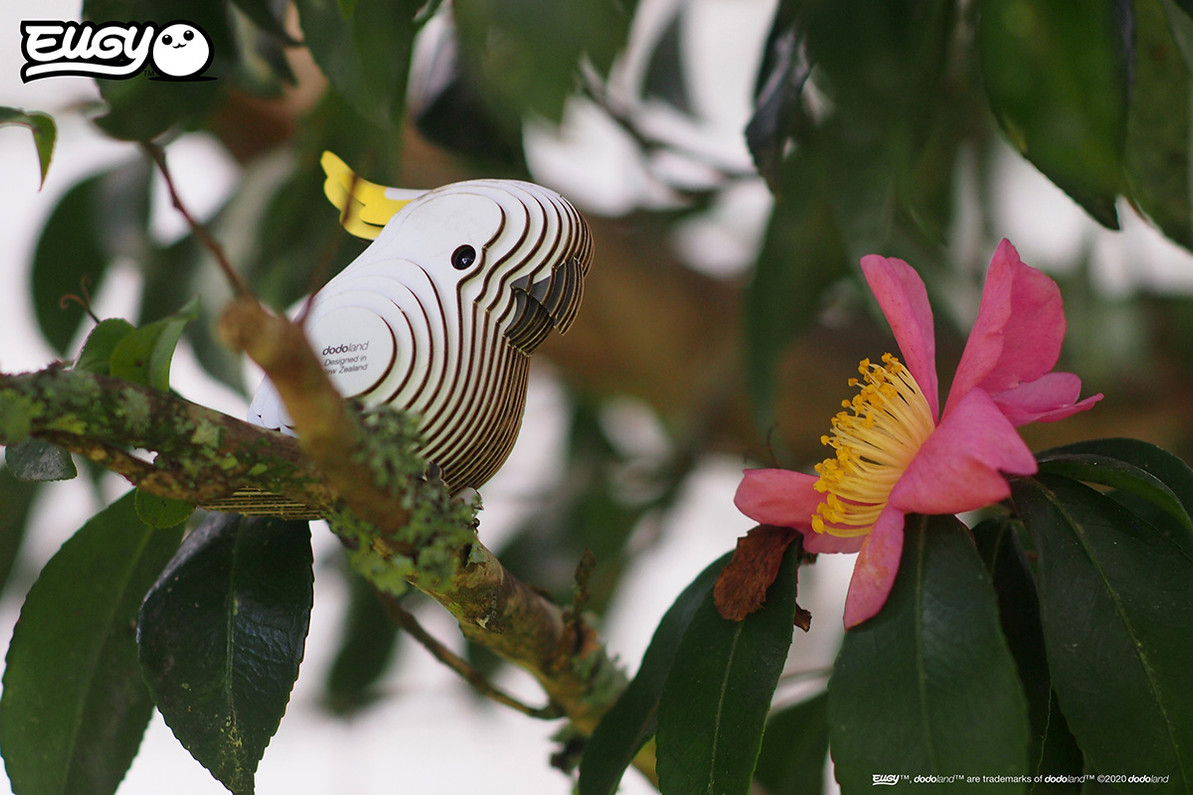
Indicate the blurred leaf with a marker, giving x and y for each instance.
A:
(221, 636)
(17, 498)
(1158, 127)
(45, 133)
(712, 711)
(268, 15)
(928, 685)
(794, 748)
(143, 107)
(98, 219)
(529, 52)
(74, 707)
(68, 250)
(665, 72)
(632, 720)
(1134, 466)
(35, 460)
(96, 355)
(1115, 603)
(450, 108)
(801, 256)
(366, 647)
(778, 95)
(143, 356)
(157, 511)
(1052, 749)
(1056, 75)
(364, 50)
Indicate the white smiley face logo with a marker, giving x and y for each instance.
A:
(181, 50)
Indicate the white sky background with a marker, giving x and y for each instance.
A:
(431, 736)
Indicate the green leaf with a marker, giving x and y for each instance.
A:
(530, 53)
(632, 720)
(713, 708)
(1158, 125)
(96, 356)
(794, 748)
(98, 219)
(68, 250)
(221, 636)
(1116, 606)
(143, 356)
(802, 254)
(928, 685)
(45, 133)
(17, 498)
(157, 511)
(1052, 750)
(366, 648)
(74, 707)
(1136, 467)
(36, 460)
(1056, 76)
(143, 107)
(364, 51)
(778, 104)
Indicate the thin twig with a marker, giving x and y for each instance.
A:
(158, 155)
(406, 620)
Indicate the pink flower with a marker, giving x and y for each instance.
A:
(897, 453)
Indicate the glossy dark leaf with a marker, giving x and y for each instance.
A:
(143, 356)
(632, 720)
(713, 708)
(928, 685)
(1115, 603)
(45, 133)
(36, 460)
(1052, 750)
(364, 51)
(1056, 75)
(74, 706)
(221, 635)
(794, 748)
(1158, 125)
(1136, 467)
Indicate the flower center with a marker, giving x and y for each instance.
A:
(875, 438)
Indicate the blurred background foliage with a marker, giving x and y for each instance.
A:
(875, 127)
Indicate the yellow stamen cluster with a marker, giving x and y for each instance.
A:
(875, 438)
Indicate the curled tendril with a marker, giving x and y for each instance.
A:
(84, 301)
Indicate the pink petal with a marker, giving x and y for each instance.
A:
(1018, 332)
(1049, 398)
(778, 497)
(960, 466)
(875, 569)
(904, 301)
(820, 543)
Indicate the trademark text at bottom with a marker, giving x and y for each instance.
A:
(892, 779)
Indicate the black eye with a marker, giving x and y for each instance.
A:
(188, 34)
(166, 39)
(463, 257)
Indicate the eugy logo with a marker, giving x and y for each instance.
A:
(881, 780)
(115, 50)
